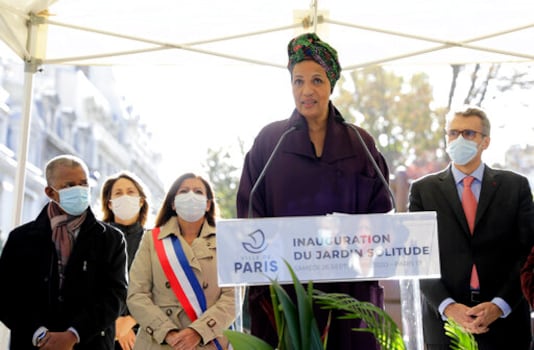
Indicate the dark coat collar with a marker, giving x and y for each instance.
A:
(336, 145)
(42, 222)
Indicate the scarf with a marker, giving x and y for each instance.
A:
(63, 227)
(309, 46)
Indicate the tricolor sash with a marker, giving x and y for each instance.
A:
(181, 277)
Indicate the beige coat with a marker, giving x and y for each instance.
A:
(153, 303)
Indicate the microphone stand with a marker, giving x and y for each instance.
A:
(241, 293)
(265, 167)
(410, 293)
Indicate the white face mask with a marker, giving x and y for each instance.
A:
(190, 206)
(126, 207)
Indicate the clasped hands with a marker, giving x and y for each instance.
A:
(57, 341)
(476, 319)
(185, 339)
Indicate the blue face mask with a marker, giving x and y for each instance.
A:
(74, 200)
(462, 151)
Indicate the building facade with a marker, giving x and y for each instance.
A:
(75, 110)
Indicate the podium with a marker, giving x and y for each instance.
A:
(331, 248)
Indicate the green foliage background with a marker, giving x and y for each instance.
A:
(400, 111)
(224, 176)
(396, 112)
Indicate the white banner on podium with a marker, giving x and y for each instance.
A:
(337, 247)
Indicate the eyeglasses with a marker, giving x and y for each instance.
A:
(467, 134)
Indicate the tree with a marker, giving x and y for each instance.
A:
(397, 113)
(488, 78)
(224, 177)
(488, 85)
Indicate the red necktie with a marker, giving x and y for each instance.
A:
(469, 203)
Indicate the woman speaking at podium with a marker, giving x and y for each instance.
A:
(313, 163)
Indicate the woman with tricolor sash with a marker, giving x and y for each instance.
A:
(173, 292)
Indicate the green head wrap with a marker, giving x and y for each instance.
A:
(308, 46)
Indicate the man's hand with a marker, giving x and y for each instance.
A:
(458, 313)
(483, 315)
(58, 341)
(475, 320)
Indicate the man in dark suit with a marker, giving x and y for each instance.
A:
(480, 258)
(64, 274)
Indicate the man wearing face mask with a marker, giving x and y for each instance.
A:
(485, 222)
(64, 274)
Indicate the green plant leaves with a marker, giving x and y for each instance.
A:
(243, 341)
(297, 327)
(296, 324)
(460, 339)
(379, 323)
(290, 324)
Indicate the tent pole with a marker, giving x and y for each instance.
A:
(35, 40)
(20, 178)
(314, 9)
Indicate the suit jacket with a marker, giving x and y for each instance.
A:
(153, 303)
(503, 233)
(297, 183)
(93, 292)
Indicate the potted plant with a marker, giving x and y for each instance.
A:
(297, 328)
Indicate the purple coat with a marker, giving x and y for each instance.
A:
(297, 183)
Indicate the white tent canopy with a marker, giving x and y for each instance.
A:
(174, 31)
(186, 33)
(208, 32)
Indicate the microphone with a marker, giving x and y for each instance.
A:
(266, 166)
(373, 161)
